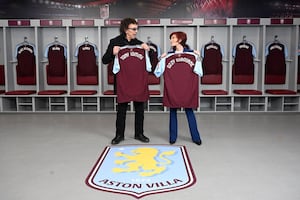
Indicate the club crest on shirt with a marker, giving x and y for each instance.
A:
(140, 170)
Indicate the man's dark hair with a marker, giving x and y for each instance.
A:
(125, 23)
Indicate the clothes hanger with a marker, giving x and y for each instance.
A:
(212, 43)
(55, 39)
(25, 42)
(244, 39)
(244, 43)
(56, 42)
(276, 39)
(212, 39)
(86, 41)
(149, 40)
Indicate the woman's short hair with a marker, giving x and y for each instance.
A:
(180, 36)
(125, 23)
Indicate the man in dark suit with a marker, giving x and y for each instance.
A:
(128, 31)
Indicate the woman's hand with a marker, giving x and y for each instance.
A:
(197, 52)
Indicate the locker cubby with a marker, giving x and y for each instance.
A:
(223, 104)
(47, 35)
(257, 100)
(291, 103)
(25, 107)
(275, 104)
(291, 100)
(42, 104)
(208, 104)
(90, 104)
(14, 36)
(108, 104)
(79, 34)
(257, 103)
(155, 104)
(219, 34)
(75, 104)
(58, 104)
(9, 104)
(286, 35)
(107, 32)
(252, 34)
(257, 108)
(25, 104)
(58, 108)
(291, 107)
(223, 108)
(241, 104)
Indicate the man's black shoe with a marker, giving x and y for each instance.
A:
(117, 139)
(142, 138)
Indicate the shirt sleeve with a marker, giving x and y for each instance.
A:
(77, 50)
(198, 67)
(16, 50)
(96, 50)
(285, 52)
(158, 52)
(46, 51)
(160, 68)
(148, 63)
(116, 67)
(34, 49)
(234, 51)
(222, 50)
(202, 51)
(65, 52)
(267, 49)
(253, 50)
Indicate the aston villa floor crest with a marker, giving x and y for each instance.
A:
(140, 170)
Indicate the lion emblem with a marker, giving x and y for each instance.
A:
(143, 161)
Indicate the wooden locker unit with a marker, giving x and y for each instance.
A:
(220, 96)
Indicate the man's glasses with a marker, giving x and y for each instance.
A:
(134, 29)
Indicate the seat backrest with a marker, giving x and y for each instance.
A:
(87, 65)
(87, 68)
(57, 60)
(212, 64)
(243, 66)
(26, 67)
(275, 64)
(26, 61)
(2, 75)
